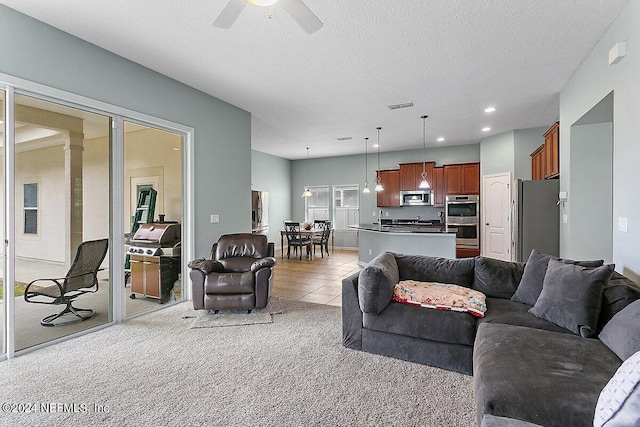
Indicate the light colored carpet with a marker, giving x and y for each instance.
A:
(154, 370)
(209, 319)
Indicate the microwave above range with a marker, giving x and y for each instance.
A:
(416, 198)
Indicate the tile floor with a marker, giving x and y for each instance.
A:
(318, 280)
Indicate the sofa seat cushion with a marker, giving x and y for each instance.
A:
(229, 283)
(417, 322)
(500, 310)
(524, 373)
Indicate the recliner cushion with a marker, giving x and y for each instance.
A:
(237, 264)
(242, 245)
(229, 283)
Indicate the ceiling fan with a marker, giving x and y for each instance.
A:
(296, 8)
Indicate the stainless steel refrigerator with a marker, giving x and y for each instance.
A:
(535, 218)
(259, 212)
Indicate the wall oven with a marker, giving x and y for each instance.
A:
(462, 216)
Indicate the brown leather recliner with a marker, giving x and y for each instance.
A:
(239, 274)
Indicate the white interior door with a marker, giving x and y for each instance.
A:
(496, 224)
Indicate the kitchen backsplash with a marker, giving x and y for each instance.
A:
(412, 212)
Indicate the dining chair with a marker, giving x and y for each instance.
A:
(295, 239)
(323, 239)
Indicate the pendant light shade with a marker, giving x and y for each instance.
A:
(307, 192)
(262, 3)
(424, 184)
(366, 167)
(379, 186)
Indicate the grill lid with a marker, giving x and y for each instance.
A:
(163, 234)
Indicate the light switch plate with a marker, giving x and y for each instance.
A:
(215, 218)
(622, 224)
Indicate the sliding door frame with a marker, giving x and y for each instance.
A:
(14, 85)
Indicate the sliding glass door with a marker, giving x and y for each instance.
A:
(62, 227)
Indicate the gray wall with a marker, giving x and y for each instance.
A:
(525, 142)
(37, 52)
(510, 152)
(591, 166)
(496, 154)
(273, 174)
(592, 82)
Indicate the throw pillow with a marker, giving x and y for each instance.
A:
(441, 296)
(622, 333)
(619, 401)
(533, 276)
(495, 278)
(571, 296)
(375, 283)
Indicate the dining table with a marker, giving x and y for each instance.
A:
(311, 233)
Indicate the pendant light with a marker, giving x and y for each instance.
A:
(366, 168)
(379, 186)
(307, 192)
(424, 183)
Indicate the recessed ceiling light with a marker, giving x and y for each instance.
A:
(441, 139)
(487, 129)
(490, 109)
(398, 106)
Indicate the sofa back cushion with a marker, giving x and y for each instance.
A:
(534, 272)
(376, 282)
(495, 278)
(622, 333)
(431, 269)
(618, 293)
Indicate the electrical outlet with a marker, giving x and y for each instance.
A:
(374, 214)
(565, 218)
(369, 251)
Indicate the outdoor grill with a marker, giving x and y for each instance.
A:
(154, 257)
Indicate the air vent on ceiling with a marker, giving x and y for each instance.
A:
(344, 138)
(398, 106)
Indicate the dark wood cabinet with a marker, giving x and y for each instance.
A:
(390, 196)
(538, 163)
(438, 187)
(411, 175)
(467, 253)
(462, 178)
(552, 151)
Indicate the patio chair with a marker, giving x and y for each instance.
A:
(81, 278)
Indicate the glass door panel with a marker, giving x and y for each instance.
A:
(3, 289)
(62, 207)
(153, 192)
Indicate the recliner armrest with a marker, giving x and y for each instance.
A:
(263, 263)
(206, 266)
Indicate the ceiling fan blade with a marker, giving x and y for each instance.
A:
(230, 13)
(302, 15)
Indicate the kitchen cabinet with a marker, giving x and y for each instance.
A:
(538, 160)
(390, 196)
(438, 187)
(462, 178)
(467, 253)
(411, 175)
(552, 152)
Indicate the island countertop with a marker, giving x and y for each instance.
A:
(374, 239)
(432, 229)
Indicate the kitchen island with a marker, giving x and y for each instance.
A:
(374, 239)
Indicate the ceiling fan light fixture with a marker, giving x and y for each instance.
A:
(262, 3)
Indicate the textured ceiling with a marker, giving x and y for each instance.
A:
(451, 58)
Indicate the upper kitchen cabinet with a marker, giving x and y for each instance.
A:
(552, 151)
(538, 160)
(411, 175)
(438, 187)
(462, 178)
(390, 196)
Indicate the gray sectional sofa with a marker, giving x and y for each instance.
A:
(538, 356)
